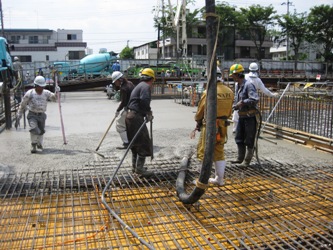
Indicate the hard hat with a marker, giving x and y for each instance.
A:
(116, 75)
(253, 67)
(16, 58)
(236, 68)
(148, 72)
(40, 81)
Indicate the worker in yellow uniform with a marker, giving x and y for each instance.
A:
(225, 98)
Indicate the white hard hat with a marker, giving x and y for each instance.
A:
(116, 75)
(253, 67)
(40, 81)
(16, 58)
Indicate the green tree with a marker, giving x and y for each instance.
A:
(295, 27)
(320, 21)
(127, 53)
(228, 22)
(257, 20)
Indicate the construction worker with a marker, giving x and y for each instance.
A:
(18, 74)
(115, 66)
(36, 100)
(139, 111)
(225, 98)
(246, 99)
(125, 87)
(257, 82)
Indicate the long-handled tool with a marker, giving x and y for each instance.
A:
(112, 212)
(277, 103)
(106, 132)
(100, 143)
(151, 140)
(59, 104)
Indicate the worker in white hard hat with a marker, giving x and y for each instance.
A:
(35, 100)
(121, 83)
(253, 76)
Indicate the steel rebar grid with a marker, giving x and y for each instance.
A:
(257, 208)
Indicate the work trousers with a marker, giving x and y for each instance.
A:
(246, 131)
(142, 143)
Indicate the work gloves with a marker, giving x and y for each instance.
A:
(238, 105)
(198, 126)
(117, 113)
(57, 89)
(149, 116)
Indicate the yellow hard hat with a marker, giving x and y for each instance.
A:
(236, 68)
(148, 72)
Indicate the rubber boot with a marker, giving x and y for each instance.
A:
(33, 148)
(34, 141)
(134, 159)
(40, 142)
(123, 136)
(140, 169)
(248, 158)
(241, 153)
(234, 126)
(219, 173)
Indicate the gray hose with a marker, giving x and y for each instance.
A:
(114, 214)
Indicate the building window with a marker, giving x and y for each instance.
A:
(15, 39)
(25, 58)
(33, 39)
(75, 55)
(71, 37)
(47, 58)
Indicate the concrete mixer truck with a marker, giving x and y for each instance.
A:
(91, 66)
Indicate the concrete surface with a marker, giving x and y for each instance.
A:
(87, 115)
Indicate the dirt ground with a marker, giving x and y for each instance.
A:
(86, 116)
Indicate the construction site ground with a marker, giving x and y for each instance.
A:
(52, 199)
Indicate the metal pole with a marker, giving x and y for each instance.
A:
(275, 106)
(59, 104)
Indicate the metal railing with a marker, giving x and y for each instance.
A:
(299, 112)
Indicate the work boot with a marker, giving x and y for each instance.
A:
(33, 148)
(124, 146)
(241, 153)
(123, 136)
(219, 173)
(134, 159)
(248, 158)
(40, 142)
(140, 169)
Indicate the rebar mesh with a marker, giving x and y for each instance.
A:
(276, 206)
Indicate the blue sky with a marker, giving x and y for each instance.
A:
(110, 24)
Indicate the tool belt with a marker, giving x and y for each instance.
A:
(251, 112)
(222, 117)
(134, 111)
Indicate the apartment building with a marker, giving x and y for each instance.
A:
(34, 45)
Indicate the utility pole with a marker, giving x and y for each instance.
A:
(163, 36)
(287, 38)
(1, 14)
